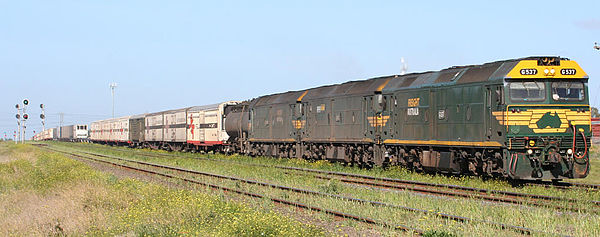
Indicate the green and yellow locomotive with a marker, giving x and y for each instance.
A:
(524, 118)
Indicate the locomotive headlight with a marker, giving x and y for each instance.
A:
(546, 71)
(552, 71)
(531, 143)
(570, 152)
(529, 151)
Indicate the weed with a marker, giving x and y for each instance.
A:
(438, 233)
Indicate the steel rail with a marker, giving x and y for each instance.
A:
(519, 229)
(256, 195)
(448, 186)
(453, 194)
(563, 185)
(401, 181)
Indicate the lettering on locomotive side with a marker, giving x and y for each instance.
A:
(413, 102)
(207, 125)
(528, 71)
(568, 71)
(299, 124)
(412, 111)
(378, 120)
(320, 108)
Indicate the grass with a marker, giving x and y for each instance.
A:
(594, 175)
(544, 219)
(45, 193)
(393, 172)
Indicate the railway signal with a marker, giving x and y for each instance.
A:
(18, 116)
(43, 117)
(21, 116)
(25, 117)
(596, 46)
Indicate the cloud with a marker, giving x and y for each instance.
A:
(588, 24)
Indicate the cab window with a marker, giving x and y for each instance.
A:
(568, 91)
(527, 91)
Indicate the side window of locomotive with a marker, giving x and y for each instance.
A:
(527, 91)
(500, 95)
(568, 91)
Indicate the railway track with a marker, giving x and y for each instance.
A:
(518, 229)
(564, 185)
(543, 183)
(448, 190)
(336, 213)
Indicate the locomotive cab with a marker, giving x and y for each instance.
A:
(546, 119)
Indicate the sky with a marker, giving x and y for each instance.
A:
(173, 54)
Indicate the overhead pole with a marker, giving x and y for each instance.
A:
(61, 117)
(112, 86)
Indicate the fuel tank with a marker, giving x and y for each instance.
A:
(237, 123)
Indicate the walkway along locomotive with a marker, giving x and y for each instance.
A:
(524, 118)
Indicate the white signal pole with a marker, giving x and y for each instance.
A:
(112, 86)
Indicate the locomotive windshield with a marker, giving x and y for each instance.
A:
(527, 91)
(568, 91)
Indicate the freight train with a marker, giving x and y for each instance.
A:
(78, 132)
(526, 118)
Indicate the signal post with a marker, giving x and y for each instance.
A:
(21, 116)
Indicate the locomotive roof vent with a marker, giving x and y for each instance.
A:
(548, 61)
